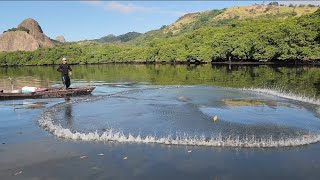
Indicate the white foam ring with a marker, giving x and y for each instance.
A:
(46, 121)
(287, 95)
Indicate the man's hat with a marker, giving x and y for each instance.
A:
(64, 59)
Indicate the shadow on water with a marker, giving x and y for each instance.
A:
(68, 116)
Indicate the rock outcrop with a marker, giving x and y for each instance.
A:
(60, 39)
(21, 40)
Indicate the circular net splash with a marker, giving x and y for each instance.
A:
(189, 115)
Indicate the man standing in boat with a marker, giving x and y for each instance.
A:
(65, 70)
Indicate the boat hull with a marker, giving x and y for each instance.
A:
(50, 93)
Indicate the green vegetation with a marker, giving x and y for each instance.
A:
(274, 3)
(17, 29)
(266, 38)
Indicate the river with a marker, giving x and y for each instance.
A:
(164, 121)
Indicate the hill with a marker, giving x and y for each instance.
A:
(220, 17)
(121, 38)
(224, 17)
(28, 36)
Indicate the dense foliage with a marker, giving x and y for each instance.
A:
(261, 39)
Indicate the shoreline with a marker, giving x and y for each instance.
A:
(284, 63)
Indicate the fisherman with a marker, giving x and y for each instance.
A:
(65, 70)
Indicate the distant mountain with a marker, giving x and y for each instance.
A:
(121, 38)
(28, 36)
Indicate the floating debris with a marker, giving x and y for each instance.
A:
(189, 151)
(306, 136)
(82, 157)
(101, 154)
(125, 158)
(20, 172)
(215, 118)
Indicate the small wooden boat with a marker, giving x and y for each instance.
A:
(48, 93)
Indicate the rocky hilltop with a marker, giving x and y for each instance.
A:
(60, 39)
(28, 36)
(121, 38)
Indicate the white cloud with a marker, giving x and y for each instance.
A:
(123, 7)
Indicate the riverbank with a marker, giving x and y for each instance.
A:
(280, 63)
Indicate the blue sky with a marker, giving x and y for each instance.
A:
(80, 20)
